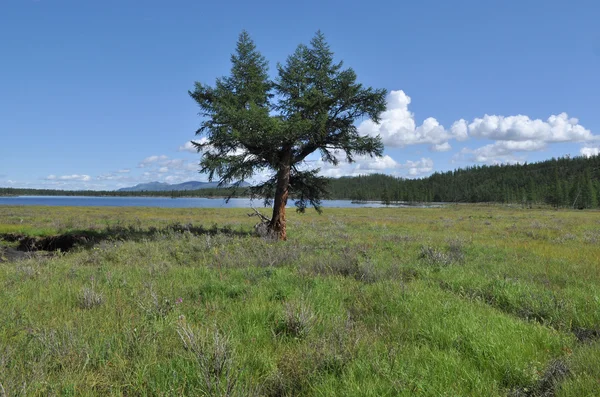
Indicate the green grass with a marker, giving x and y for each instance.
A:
(456, 301)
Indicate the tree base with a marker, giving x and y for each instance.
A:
(264, 230)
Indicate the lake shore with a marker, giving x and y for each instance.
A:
(182, 202)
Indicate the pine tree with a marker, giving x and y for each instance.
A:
(531, 192)
(557, 194)
(254, 124)
(588, 192)
(385, 197)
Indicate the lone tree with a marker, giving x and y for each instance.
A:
(255, 124)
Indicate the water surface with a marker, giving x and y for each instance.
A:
(167, 202)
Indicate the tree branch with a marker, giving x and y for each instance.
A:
(258, 214)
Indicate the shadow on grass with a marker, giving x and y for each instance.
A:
(547, 385)
(89, 238)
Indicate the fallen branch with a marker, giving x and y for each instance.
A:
(262, 228)
(261, 216)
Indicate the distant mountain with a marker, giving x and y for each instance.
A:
(164, 187)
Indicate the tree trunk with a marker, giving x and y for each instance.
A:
(277, 224)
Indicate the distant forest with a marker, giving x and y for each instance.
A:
(563, 182)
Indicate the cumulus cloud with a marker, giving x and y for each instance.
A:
(442, 147)
(364, 165)
(165, 169)
(558, 128)
(500, 152)
(511, 134)
(163, 164)
(375, 163)
(514, 134)
(459, 129)
(398, 127)
(189, 147)
(589, 151)
(74, 177)
(418, 168)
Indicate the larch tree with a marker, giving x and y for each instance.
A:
(252, 124)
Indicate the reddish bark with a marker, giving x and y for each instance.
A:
(277, 225)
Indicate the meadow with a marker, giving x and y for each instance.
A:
(454, 301)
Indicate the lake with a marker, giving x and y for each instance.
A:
(167, 202)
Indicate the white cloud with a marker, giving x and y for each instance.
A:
(159, 166)
(148, 161)
(500, 152)
(512, 134)
(164, 169)
(376, 163)
(589, 151)
(174, 163)
(398, 128)
(419, 167)
(518, 134)
(558, 128)
(191, 166)
(459, 129)
(442, 147)
(189, 147)
(124, 171)
(172, 179)
(74, 177)
(364, 165)
(114, 177)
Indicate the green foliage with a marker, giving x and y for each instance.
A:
(253, 124)
(563, 182)
(208, 192)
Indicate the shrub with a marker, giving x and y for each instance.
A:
(297, 321)
(154, 305)
(213, 354)
(89, 298)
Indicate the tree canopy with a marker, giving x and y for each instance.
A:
(255, 124)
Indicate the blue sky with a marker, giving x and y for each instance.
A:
(94, 93)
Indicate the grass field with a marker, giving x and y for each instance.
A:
(455, 301)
